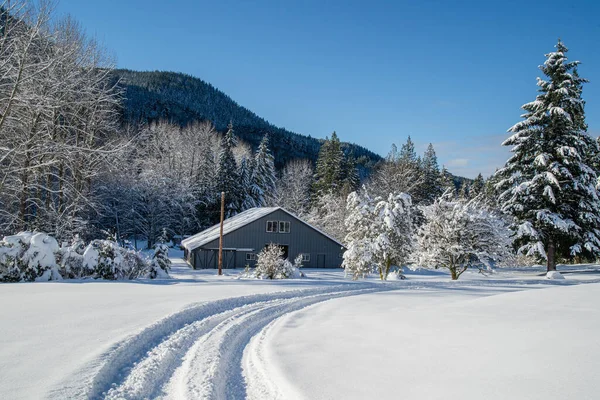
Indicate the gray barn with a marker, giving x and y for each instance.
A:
(247, 233)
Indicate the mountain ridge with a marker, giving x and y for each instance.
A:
(182, 99)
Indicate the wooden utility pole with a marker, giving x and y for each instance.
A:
(221, 234)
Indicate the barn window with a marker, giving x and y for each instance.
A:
(272, 226)
(250, 256)
(284, 226)
(305, 257)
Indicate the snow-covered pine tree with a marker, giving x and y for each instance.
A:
(379, 235)
(458, 234)
(547, 184)
(477, 186)
(245, 173)
(465, 190)
(407, 152)
(263, 176)
(432, 188)
(160, 264)
(329, 169)
(350, 180)
(447, 183)
(228, 180)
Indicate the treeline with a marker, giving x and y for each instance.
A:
(182, 99)
(543, 205)
(71, 166)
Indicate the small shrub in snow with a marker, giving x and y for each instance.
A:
(12, 249)
(160, 264)
(554, 275)
(270, 264)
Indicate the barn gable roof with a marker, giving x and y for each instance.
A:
(236, 222)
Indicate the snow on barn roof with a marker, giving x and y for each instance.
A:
(236, 222)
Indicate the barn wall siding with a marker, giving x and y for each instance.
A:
(302, 239)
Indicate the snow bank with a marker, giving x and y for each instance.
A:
(554, 275)
(28, 257)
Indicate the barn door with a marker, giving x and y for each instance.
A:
(320, 260)
(229, 259)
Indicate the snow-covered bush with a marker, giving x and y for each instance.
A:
(160, 264)
(458, 234)
(270, 264)
(110, 261)
(37, 257)
(12, 249)
(40, 258)
(554, 275)
(379, 235)
(71, 263)
(29, 257)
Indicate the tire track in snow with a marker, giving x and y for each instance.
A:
(166, 358)
(213, 367)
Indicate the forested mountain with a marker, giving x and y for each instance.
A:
(183, 99)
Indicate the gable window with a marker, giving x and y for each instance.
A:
(250, 257)
(272, 226)
(284, 226)
(305, 257)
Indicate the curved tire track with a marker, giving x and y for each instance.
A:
(196, 353)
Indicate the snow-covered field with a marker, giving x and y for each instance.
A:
(514, 334)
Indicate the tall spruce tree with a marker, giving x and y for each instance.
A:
(407, 152)
(447, 182)
(245, 173)
(432, 187)
(547, 185)
(329, 171)
(263, 176)
(228, 179)
(350, 180)
(477, 186)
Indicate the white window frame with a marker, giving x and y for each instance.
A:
(250, 257)
(274, 226)
(305, 257)
(286, 224)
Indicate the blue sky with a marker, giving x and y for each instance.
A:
(453, 73)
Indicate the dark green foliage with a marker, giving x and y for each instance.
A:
(547, 185)
(477, 186)
(228, 180)
(183, 99)
(432, 187)
(263, 173)
(335, 172)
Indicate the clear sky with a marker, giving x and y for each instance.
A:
(453, 73)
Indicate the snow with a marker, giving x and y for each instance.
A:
(442, 344)
(200, 335)
(554, 275)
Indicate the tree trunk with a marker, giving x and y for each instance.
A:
(551, 266)
(454, 274)
(384, 274)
